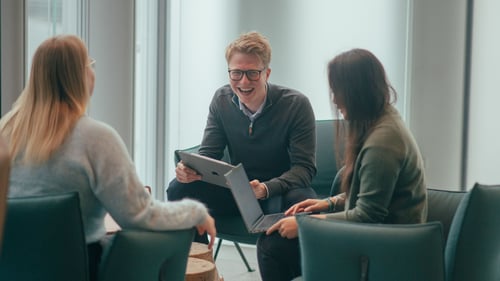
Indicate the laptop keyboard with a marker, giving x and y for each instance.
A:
(267, 221)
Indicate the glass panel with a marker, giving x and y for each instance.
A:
(145, 103)
(47, 18)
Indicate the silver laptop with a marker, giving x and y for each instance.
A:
(251, 212)
(211, 170)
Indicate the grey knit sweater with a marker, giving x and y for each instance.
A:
(94, 162)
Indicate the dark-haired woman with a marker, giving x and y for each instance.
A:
(382, 180)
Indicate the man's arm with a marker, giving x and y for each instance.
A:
(302, 149)
(214, 140)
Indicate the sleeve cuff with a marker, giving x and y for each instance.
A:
(267, 191)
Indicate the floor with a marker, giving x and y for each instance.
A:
(231, 266)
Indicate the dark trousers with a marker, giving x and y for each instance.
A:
(218, 200)
(278, 257)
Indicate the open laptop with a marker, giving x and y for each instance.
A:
(251, 212)
(211, 170)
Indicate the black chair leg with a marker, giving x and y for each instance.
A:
(217, 249)
(242, 255)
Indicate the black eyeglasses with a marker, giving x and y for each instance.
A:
(237, 75)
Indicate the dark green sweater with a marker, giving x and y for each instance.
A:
(277, 149)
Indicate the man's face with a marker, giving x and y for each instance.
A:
(251, 92)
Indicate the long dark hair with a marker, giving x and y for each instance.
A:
(360, 86)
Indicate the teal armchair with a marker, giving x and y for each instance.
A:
(473, 246)
(442, 205)
(147, 255)
(340, 250)
(328, 148)
(44, 240)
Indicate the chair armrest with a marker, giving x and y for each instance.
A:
(145, 255)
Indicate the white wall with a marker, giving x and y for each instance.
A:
(12, 56)
(484, 129)
(306, 35)
(111, 44)
(437, 74)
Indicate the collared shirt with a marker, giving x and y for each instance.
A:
(248, 113)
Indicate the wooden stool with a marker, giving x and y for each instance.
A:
(201, 251)
(200, 270)
(201, 266)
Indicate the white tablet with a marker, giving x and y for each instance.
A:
(211, 170)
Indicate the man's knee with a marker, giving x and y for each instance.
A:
(175, 190)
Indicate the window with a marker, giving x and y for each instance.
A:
(47, 18)
(304, 36)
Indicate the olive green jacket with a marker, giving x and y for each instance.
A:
(388, 183)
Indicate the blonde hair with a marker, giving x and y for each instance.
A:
(251, 43)
(55, 97)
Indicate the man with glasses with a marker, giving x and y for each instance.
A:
(268, 128)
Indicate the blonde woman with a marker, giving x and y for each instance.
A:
(56, 148)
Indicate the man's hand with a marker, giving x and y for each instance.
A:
(184, 174)
(287, 227)
(259, 189)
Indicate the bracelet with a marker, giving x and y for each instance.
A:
(331, 204)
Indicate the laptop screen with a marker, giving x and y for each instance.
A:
(243, 195)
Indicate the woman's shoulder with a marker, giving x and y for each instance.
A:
(390, 131)
(97, 139)
(93, 127)
(95, 132)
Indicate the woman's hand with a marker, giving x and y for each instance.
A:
(308, 205)
(208, 226)
(287, 227)
(184, 174)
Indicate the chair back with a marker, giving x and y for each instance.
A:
(326, 155)
(147, 256)
(442, 205)
(44, 239)
(339, 250)
(473, 246)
